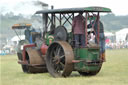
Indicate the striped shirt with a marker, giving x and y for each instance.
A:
(78, 24)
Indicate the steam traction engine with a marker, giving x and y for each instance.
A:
(55, 51)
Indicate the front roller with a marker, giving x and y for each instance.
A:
(59, 59)
(19, 54)
(24, 67)
(33, 61)
(36, 62)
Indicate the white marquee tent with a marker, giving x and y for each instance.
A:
(108, 34)
(17, 39)
(121, 35)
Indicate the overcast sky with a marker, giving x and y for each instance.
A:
(119, 7)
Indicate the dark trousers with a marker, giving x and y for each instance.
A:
(101, 42)
(79, 40)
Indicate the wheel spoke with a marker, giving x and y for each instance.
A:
(58, 52)
(62, 56)
(58, 68)
(62, 65)
(54, 60)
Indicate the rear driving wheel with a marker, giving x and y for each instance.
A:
(59, 59)
(90, 73)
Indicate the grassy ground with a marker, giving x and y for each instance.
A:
(113, 72)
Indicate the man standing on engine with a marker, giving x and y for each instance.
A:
(78, 30)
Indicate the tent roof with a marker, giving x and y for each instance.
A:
(16, 38)
(122, 31)
(108, 34)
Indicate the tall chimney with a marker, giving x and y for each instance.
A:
(52, 7)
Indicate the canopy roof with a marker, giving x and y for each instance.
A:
(75, 10)
(21, 26)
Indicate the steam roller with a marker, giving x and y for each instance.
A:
(32, 61)
(58, 51)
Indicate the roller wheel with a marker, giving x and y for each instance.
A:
(19, 54)
(91, 73)
(24, 67)
(59, 59)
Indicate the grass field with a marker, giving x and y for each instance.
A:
(113, 72)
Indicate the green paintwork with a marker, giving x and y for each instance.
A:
(48, 39)
(91, 18)
(98, 9)
(87, 55)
